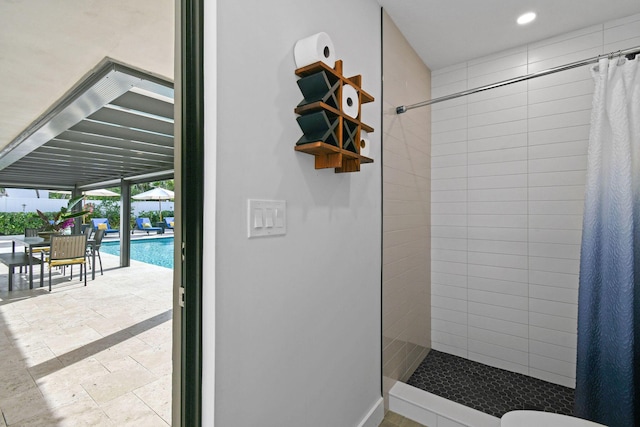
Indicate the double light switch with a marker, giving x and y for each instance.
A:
(267, 217)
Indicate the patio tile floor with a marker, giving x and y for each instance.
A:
(98, 355)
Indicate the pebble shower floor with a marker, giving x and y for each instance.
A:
(490, 390)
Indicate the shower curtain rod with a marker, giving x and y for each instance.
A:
(404, 108)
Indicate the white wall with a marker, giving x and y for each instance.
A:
(298, 316)
(508, 171)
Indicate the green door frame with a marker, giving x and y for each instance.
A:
(192, 207)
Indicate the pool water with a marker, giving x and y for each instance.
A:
(152, 251)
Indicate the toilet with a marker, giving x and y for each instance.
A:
(546, 419)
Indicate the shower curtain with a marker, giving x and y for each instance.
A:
(608, 362)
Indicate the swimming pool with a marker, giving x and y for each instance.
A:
(152, 251)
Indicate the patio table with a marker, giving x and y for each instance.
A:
(39, 242)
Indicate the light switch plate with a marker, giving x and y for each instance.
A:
(266, 218)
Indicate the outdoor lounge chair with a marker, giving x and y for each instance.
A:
(168, 223)
(103, 224)
(144, 224)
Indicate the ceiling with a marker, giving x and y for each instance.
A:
(115, 124)
(447, 32)
(49, 51)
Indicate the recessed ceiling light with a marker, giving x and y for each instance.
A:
(526, 18)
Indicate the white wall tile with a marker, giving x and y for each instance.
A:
(451, 148)
(497, 195)
(449, 279)
(503, 181)
(497, 312)
(497, 208)
(500, 129)
(557, 265)
(569, 163)
(562, 134)
(578, 88)
(452, 328)
(499, 326)
(504, 221)
(559, 207)
(448, 267)
(575, 118)
(497, 233)
(555, 236)
(449, 184)
(556, 222)
(498, 62)
(493, 169)
(438, 254)
(566, 192)
(448, 196)
(496, 104)
(557, 280)
(447, 291)
(558, 106)
(515, 261)
(494, 298)
(553, 308)
(554, 250)
(498, 286)
(497, 260)
(449, 208)
(547, 179)
(565, 354)
(500, 116)
(554, 366)
(497, 142)
(502, 339)
(498, 352)
(552, 378)
(445, 243)
(498, 363)
(449, 315)
(450, 340)
(448, 137)
(566, 339)
(498, 76)
(552, 293)
(493, 156)
(548, 322)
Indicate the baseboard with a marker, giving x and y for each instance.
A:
(434, 411)
(375, 415)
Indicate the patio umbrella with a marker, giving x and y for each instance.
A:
(158, 194)
(101, 192)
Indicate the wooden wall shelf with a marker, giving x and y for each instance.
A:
(330, 134)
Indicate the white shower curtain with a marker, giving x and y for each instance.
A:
(608, 365)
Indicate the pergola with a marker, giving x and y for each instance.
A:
(113, 128)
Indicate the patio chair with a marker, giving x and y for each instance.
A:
(98, 238)
(33, 232)
(86, 229)
(103, 224)
(68, 250)
(144, 224)
(168, 223)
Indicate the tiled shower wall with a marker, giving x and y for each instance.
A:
(508, 172)
(406, 210)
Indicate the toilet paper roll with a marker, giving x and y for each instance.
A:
(350, 103)
(365, 144)
(317, 47)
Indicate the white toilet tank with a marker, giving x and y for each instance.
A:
(546, 419)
